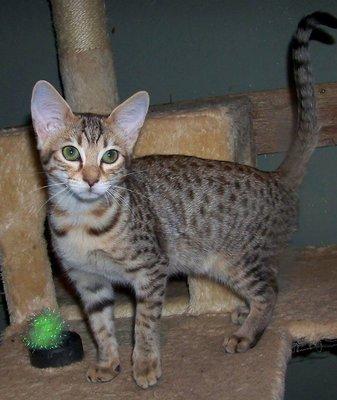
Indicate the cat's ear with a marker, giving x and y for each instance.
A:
(50, 112)
(129, 117)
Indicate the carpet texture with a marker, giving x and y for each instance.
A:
(194, 365)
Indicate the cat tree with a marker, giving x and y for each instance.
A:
(215, 128)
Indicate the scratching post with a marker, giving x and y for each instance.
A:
(85, 55)
(26, 271)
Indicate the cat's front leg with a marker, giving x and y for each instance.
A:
(146, 353)
(98, 298)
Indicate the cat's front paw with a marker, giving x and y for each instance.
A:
(237, 344)
(102, 374)
(146, 370)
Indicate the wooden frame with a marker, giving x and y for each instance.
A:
(274, 117)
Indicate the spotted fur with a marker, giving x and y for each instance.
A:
(137, 222)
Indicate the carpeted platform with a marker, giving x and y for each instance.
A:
(194, 365)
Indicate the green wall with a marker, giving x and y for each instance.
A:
(184, 49)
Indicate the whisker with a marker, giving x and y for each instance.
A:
(126, 204)
(112, 197)
(113, 200)
(132, 191)
(133, 173)
(32, 172)
(45, 186)
(68, 193)
(50, 198)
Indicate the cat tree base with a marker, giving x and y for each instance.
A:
(194, 364)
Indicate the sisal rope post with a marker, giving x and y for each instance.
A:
(85, 55)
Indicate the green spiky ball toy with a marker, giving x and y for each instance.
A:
(49, 342)
(46, 330)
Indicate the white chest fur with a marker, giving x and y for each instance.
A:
(79, 249)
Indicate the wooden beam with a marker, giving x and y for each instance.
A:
(274, 117)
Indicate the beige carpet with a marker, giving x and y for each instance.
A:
(194, 365)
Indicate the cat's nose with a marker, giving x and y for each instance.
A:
(91, 181)
(90, 175)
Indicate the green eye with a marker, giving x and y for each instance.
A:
(70, 153)
(110, 156)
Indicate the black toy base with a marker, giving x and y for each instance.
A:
(304, 349)
(70, 351)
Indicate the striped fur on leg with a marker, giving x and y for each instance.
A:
(146, 354)
(98, 299)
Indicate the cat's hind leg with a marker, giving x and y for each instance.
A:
(98, 299)
(239, 315)
(257, 285)
(253, 327)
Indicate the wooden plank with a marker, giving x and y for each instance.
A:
(274, 117)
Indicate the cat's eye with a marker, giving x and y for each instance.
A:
(110, 156)
(70, 153)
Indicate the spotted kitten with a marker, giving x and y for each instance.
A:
(118, 220)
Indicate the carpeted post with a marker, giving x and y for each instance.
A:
(26, 271)
(85, 55)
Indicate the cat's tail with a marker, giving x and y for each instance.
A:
(294, 165)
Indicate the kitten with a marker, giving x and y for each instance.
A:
(115, 219)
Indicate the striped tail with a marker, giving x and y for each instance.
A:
(294, 165)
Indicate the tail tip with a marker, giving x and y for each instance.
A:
(324, 18)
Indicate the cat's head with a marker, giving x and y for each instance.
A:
(87, 153)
